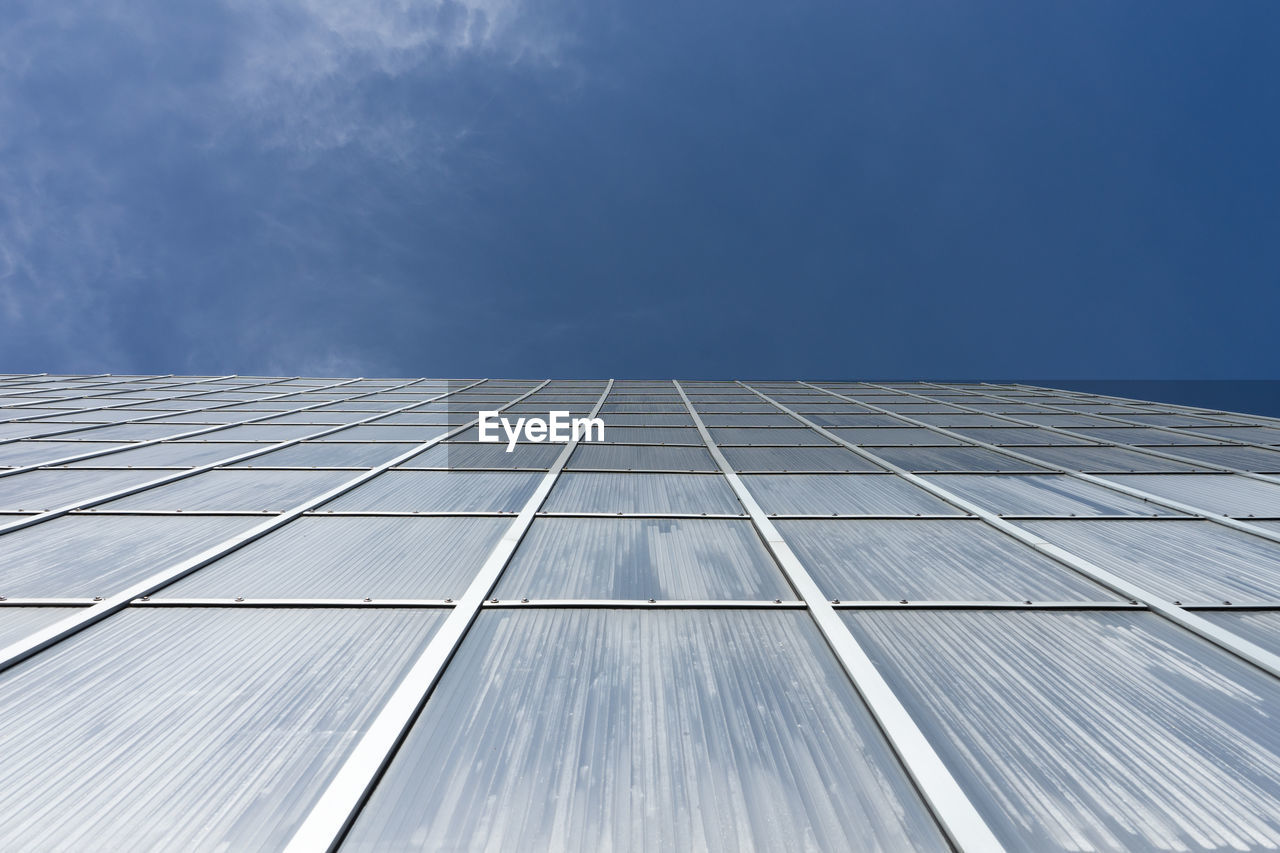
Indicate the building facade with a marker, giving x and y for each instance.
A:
(248, 613)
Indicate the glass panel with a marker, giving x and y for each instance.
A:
(1188, 561)
(1261, 627)
(1043, 494)
(796, 459)
(1016, 436)
(716, 419)
(642, 457)
(229, 490)
(926, 459)
(202, 729)
(888, 436)
(440, 491)
(644, 730)
(329, 454)
(19, 622)
(853, 494)
(857, 419)
(930, 560)
(655, 493)
(19, 454)
(82, 556)
(1227, 494)
(1137, 435)
(1089, 731)
(1251, 434)
(54, 488)
(373, 432)
(767, 435)
(642, 558)
(651, 435)
(131, 432)
(536, 457)
(1230, 456)
(175, 454)
(1102, 460)
(364, 557)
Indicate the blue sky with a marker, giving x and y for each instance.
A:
(727, 189)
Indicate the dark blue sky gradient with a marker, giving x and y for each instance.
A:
(642, 189)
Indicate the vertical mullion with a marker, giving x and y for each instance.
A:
(955, 814)
(337, 808)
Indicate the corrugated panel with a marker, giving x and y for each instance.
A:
(890, 436)
(680, 493)
(1188, 561)
(329, 454)
(453, 454)
(651, 435)
(229, 490)
(374, 432)
(930, 560)
(718, 419)
(1137, 435)
(23, 453)
(132, 432)
(1252, 434)
(1090, 731)
(82, 556)
(19, 622)
(1101, 460)
(1043, 494)
(192, 729)
(926, 459)
(1017, 436)
(1227, 494)
(796, 459)
(1230, 455)
(768, 435)
(853, 494)
(362, 557)
(640, 457)
(642, 558)
(675, 419)
(436, 491)
(1259, 626)
(857, 419)
(172, 454)
(657, 730)
(55, 487)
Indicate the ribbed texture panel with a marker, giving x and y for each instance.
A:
(434, 491)
(640, 457)
(1187, 561)
(1136, 435)
(22, 453)
(228, 489)
(796, 459)
(319, 557)
(633, 558)
(680, 493)
(18, 622)
(888, 436)
(1231, 456)
(459, 455)
(374, 432)
(660, 730)
(1226, 494)
(1016, 436)
(1090, 731)
(82, 556)
(177, 454)
(41, 490)
(1043, 494)
(650, 435)
(1251, 434)
(925, 459)
(821, 494)
(930, 560)
(1101, 460)
(192, 729)
(329, 454)
(761, 435)
(1261, 626)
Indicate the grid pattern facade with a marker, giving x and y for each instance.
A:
(248, 613)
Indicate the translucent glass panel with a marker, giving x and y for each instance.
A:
(768, 435)
(1230, 456)
(19, 622)
(82, 556)
(926, 459)
(53, 488)
(231, 490)
(606, 742)
(1224, 494)
(171, 454)
(1101, 460)
(22, 453)
(1089, 731)
(440, 491)
(533, 457)
(1188, 561)
(854, 494)
(1261, 627)
(345, 557)
(796, 459)
(329, 454)
(888, 436)
(637, 457)
(929, 560)
(1043, 494)
(651, 493)
(642, 558)
(202, 729)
